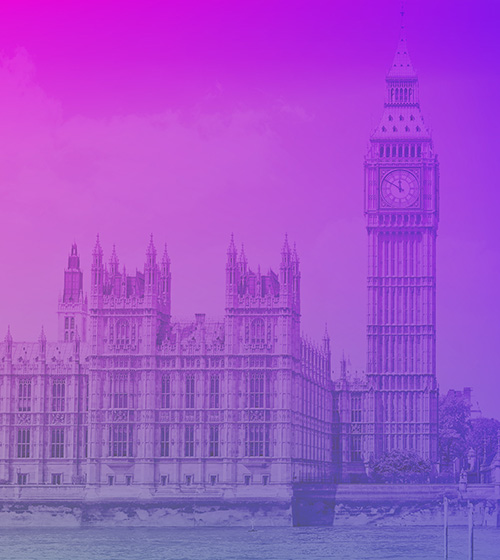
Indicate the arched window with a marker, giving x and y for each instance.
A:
(122, 332)
(387, 151)
(382, 150)
(406, 94)
(397, 94)
(257, 331)
(419, 151)
(400, 151)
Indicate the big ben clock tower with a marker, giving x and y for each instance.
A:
(401, 209)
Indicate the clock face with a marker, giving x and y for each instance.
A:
(400, 188)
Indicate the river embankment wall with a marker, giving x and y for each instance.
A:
(395, 504)
(304, 505)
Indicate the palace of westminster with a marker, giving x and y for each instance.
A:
(128, 396)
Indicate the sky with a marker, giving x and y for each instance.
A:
(192, 120)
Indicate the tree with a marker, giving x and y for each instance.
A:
(454, 427)
(402, 467)
(483, 437)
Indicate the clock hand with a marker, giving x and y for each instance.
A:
(394, 184)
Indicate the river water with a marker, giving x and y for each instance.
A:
(218, 543)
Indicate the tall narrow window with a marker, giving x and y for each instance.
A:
(24, 395)
(356, 407)
(120, 391)
(189, 441)
(190, 391)
(257, 331)
(214, 391)
(213, 450)
(121, 440)
(258, 394)
(58, 395)
(257, 440)
(57, 443)
(165, 391)
(356, 448)
(23, 443)
(165, 441)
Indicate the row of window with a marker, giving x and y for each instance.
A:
(402, 94)
(56, 443)
(258, 393)
(58, 395)
(121, 440)
(57, 479)
(400, 150)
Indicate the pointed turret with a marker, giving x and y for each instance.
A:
(151, 252)
(74, 259)
(97, 268)
(401, 65)
(114, 262)
(285, 251)
(285, 269)
(8, 343)
(231, 251)
(150, 268)
(73, 278)
(72, 307)
(42, 341)
(165, 260)
(97, 252)
(232, 274)
(326, 339)
(165, 276)
(343, 366)
(242, 261)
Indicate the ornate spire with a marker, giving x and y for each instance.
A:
(243, 257)
(113, 261)
(232, 247)
(165, 259)
(286, 246)
(402, 68)
(151, 250)
(97, 247)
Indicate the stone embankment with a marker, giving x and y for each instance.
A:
(343, 504)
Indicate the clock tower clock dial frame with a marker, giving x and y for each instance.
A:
(399, 188)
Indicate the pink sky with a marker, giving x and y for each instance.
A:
(192, 120)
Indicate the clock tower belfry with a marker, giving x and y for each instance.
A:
(401, 209)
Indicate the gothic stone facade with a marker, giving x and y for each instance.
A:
(130, 397)
(395, 405)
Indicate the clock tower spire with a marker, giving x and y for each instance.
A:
(401, 210)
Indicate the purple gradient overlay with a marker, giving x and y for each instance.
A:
(191, 120)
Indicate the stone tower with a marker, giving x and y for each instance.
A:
(72, 309)
(401, 209)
